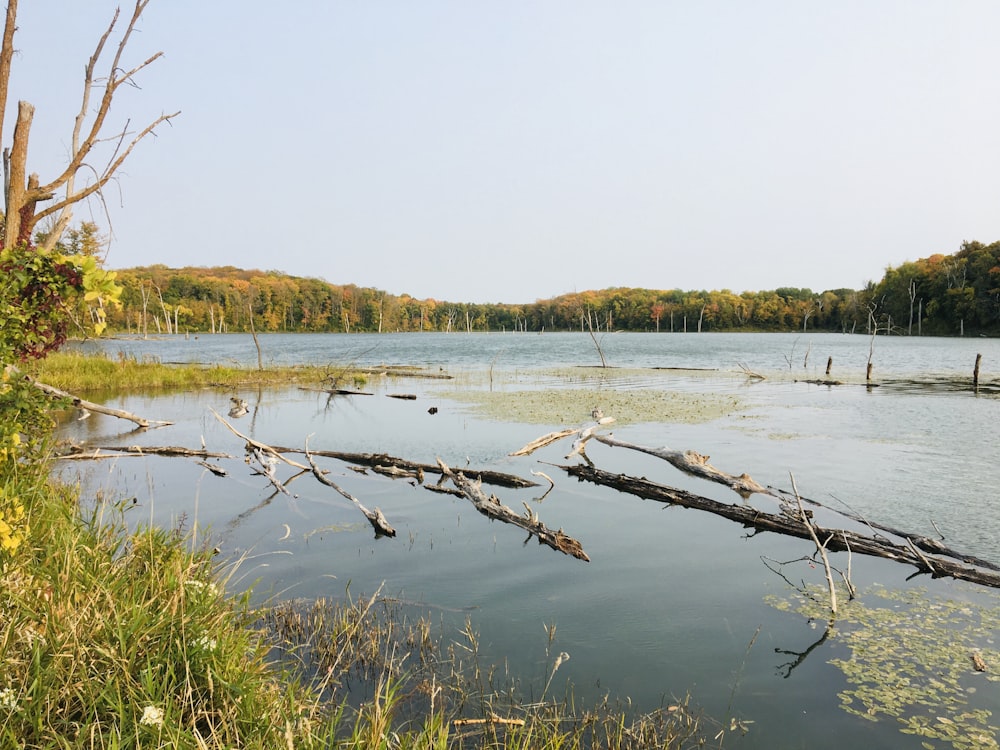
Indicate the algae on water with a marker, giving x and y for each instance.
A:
(911, 661)
(570, 406)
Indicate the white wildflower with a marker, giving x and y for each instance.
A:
(206, 643)
(209, 588)
(8, 700)
(151, 717)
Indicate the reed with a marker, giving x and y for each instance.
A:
(88, 373)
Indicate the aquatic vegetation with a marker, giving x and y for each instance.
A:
(570, 406)
(917, 658)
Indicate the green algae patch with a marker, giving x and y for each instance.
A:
(917, 660)
(572, 406)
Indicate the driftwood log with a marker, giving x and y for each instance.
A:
(783, 523)
(375, 517)
(491, 507)
(695, 464)
(79, 452)
(88, 405)
(336, 391)
(496, 478)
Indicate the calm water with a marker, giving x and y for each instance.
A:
(672, 598)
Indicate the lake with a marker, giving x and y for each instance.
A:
(673, 601)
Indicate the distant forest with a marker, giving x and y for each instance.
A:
(944, 295)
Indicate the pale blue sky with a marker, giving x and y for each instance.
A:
(510, 151)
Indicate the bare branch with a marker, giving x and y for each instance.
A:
(109, 172)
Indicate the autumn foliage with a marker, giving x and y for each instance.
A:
(941, 295)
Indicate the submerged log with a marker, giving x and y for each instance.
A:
(336, 391)
(491, 507)
(497, 478)
(833, 539)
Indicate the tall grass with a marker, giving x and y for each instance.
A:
(117, 639)
(87, 373)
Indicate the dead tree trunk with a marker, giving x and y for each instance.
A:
(90, 406)
(781, 523)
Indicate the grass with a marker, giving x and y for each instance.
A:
(118, 638)
(88, 373)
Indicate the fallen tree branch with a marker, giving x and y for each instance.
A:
(491, 507)
(117, 451)
(375, 517)
(88, 405)
(837, 539)
(251, 443)
(695, 464)
(806, 519)
(497, 478)
(336, 391)
(544, 440)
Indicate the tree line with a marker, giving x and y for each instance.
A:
(957, 294)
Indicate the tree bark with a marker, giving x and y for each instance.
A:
(832, 539)
(375, 517)
(89, 405)
(496, 478)
(491, 507)
(695, 464)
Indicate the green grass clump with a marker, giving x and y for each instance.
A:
(123, 639)
(86, 373)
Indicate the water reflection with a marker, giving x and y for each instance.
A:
(671, 598)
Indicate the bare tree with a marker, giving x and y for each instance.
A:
(23, 191)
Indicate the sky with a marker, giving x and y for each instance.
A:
(477, 151)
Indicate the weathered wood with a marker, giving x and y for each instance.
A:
(396, 473)
(833, 539)
(375, 517)
(544, 440)
(491, 507)
(402, 372)
(496, 478)
(89, 405)
(215, 469)
(695, 464)
(117, 451)
(251, 443)
(336, 391)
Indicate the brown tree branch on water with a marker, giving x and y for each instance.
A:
(544, 440)
(118, 451)
(836, 539)
(497, 478)
(275, 452)
(88, 405)
(375, 517)
(695, 464)
(491, 507)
